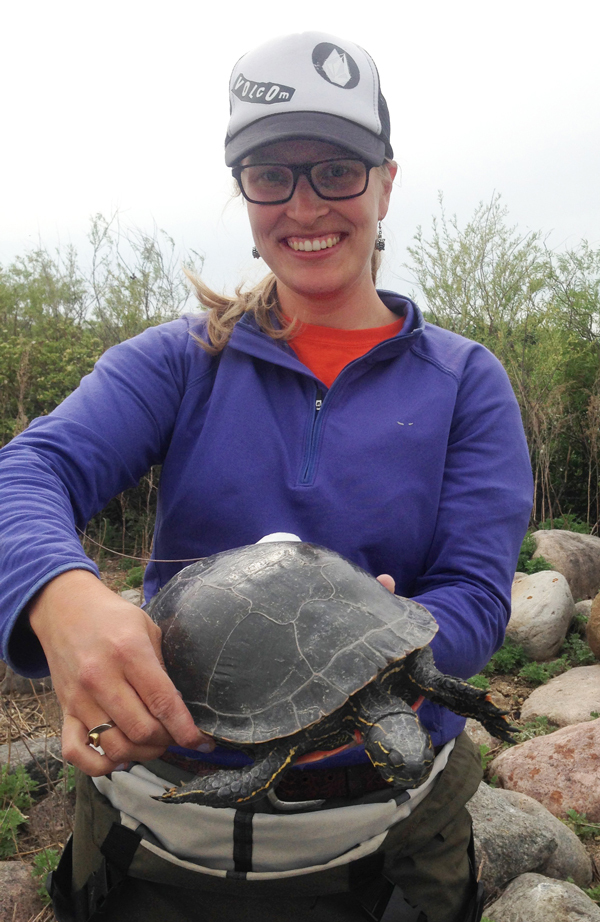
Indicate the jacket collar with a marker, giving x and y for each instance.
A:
(248, 337)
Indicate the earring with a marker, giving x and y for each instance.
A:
(380, 242)
(255, 253)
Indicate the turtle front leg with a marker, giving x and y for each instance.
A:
(233, 787)
(395, 740)
(423, 678)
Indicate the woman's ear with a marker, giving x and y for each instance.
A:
(387, 173)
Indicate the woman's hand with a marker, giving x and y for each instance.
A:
(106, 665)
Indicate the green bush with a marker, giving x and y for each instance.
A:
(15, 796)
(578, 822)
(44, 862)
(540, 673)
(528, 548)
(479, 681)
(135, 578)
(566, 523)
(578, 651)
(537, 565)
(506, 660)
(539, 726)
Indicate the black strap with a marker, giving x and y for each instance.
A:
(380, 898)
(119, 846)
(118, 849)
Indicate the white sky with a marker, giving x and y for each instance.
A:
(123, 105)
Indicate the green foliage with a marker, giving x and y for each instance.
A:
(538, 311)
(537, 565)
(15, 796)
(592, 892)
(506, 660)
(539, 726)
(540, 673)
(577, 651)
(44, 862)
(127, 563)
(528, 548)
(485, 755)
(479, 681)
(67, 777)
(567, 523)
(578, 822)
(135, 578)
(594, 715)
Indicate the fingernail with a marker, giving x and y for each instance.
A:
(205, 747)
(122, 767)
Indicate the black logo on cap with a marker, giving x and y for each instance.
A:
(335, 65)
(265, 93)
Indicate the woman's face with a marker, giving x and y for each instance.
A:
(350, 225)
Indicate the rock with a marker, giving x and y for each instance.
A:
(479, 734)
(570, 858)
(133, 595)
(533, 898)
(15, 684)
(576, 556)
(506, 841)
(518, 575)
(592, 631)
(542, 610)
(19, 901)
(559, 770)
(41, 758)
(568, 699)
(583, 608)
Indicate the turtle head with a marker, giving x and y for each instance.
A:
(400, 748)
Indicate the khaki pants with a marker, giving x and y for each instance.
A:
(426, 855)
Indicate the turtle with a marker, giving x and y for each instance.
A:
(283, 648)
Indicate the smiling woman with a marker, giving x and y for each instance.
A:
(312, 405)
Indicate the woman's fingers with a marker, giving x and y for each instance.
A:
(388, 581)
(77, 749)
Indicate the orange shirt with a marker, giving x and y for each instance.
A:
(326, 350)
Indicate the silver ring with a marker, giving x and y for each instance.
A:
(94, 733)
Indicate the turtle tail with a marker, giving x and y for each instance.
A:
(235, 787)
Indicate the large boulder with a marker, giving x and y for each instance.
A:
(592, 631)
(560, 770)
(41, 758)
(542, 610)
(533, 898)
(571, 859)
(576, 556)
(506, 841)
(568, 699)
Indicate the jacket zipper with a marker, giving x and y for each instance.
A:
(311, 455)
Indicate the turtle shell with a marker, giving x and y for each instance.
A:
(265, 640)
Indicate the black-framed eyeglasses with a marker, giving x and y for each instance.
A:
(274, 183)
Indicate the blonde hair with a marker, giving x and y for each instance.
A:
(261, 300)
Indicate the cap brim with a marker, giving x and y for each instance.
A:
(314, 126)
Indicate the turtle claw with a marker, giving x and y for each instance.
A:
(290, 806)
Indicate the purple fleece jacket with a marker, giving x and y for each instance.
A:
(415, 465)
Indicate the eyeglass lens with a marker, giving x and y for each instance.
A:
(331, 179)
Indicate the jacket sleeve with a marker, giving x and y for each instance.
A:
(65, 467)
(483, 513)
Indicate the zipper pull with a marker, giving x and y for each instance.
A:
(319, 401)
